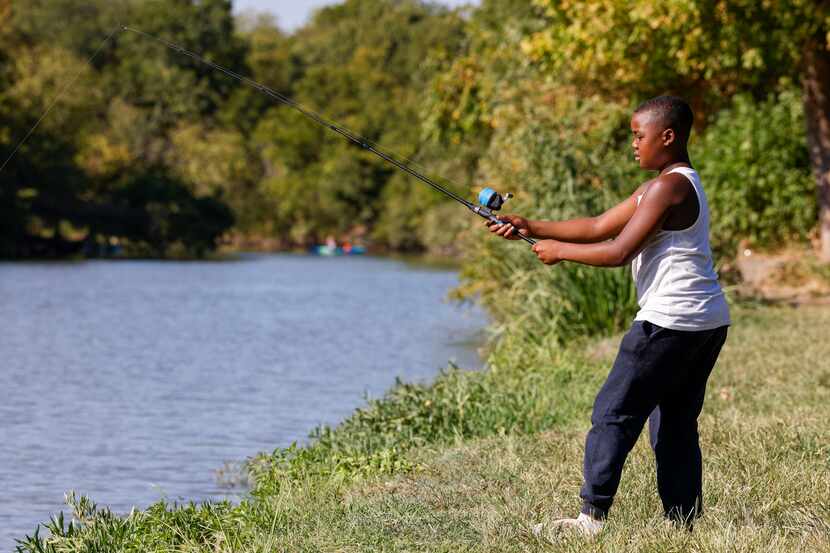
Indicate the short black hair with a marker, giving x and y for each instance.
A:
(674, 113)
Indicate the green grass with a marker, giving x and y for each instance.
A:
(473, 461)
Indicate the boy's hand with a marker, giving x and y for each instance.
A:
(547, 251)
(512, 224)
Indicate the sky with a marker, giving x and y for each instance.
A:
(293, 13)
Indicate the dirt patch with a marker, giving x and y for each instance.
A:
(792, 275)
(604, 350)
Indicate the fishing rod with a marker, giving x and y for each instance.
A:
(489, 200)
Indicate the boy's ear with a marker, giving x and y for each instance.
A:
(668, 137)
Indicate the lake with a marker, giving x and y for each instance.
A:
(134, 381)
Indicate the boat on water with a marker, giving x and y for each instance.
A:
(329, 250)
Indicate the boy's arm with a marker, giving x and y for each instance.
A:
(664, 193)
(583, 230)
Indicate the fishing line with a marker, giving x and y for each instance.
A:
(490, 200)
(59, 95)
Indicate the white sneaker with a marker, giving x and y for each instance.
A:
(585, 524)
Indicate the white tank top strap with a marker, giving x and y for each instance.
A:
(677, 286)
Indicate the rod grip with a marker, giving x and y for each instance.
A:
(528, 239)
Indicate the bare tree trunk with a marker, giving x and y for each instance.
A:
(817, 111)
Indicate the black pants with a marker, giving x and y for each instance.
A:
(659, 374)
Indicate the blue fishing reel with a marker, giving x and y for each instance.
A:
(492, 200)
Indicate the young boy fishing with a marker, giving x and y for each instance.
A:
(664, 360)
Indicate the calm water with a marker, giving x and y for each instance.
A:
(134, 381)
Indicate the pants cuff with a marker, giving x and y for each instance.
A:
(594, 511)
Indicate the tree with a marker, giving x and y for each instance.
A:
(121, 124)
(363, 64)
(707, 50)
(11, 213)
(817, 107)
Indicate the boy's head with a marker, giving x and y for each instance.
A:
(661, 128)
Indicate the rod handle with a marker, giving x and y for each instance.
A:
(496, 220)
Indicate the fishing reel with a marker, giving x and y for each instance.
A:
(492, 200)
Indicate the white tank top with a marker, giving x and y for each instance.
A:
(677, 286)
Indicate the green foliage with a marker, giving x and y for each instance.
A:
(370, 78)
(461, 108)
(171, 215)
(161, 526)
(286, 467)
(121, 123)
(755, 167)
(411, 414)
(701, 50)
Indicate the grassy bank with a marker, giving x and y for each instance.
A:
(474, 460)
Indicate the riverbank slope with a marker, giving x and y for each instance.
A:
(472, 461)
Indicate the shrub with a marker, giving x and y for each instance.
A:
(755, 167)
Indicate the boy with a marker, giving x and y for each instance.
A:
(665, 358)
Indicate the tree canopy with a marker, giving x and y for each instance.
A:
(147, 133)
